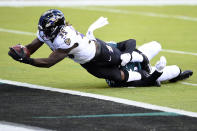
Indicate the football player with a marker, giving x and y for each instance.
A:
(98, 58)
(158, 73)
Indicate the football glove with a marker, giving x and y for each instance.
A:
(126, 58)
(18, 53)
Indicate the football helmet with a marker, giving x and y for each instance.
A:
(51, 22)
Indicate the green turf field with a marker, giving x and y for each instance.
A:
(172, 31)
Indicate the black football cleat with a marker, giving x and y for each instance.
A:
(157, 83)
(183, 75)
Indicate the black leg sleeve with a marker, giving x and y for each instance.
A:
(127, 46)
(110, 73)
(147, 80)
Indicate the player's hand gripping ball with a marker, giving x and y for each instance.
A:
(19, 52)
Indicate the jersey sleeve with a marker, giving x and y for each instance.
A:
(39, 36)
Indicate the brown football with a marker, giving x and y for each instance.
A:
(18, 49)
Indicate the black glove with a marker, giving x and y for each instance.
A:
(17, 53)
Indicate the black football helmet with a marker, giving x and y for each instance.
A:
(51, 22)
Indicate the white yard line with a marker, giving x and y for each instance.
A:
(190, 84)
(179, 52)
(17, 32)
(119, 11)
(34, 34)
(102, 97)
(66, 3)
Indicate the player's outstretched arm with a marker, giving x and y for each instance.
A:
(55, 57)
(34, 45)
(22, 54)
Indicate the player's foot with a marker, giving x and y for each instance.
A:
(157, 83)
(183, 75)
(161, 64)
(112, 83)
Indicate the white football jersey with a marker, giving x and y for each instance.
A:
(81, 48)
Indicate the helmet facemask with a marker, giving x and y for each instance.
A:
(51, 22)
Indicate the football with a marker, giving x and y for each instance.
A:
(20, 48)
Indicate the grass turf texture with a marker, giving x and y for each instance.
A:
(171, 33)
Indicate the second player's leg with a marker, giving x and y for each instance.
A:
(150, 49)
(169, 72)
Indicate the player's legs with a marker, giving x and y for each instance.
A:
(138, 77)
(183, 75)
(110, 73)
(169, 72)
(147, 80)
(106, 65)
(150, 49)
(106, 55)
(150, 79)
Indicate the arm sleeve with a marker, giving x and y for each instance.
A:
(127, 46)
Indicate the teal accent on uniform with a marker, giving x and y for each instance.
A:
(111, 115)
(1, 83)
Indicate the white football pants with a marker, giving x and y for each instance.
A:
(151, 49)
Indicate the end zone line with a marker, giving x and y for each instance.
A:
(34, 34)
(9, 126)
(102, 97)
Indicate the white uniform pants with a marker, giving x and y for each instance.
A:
(151, 49)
